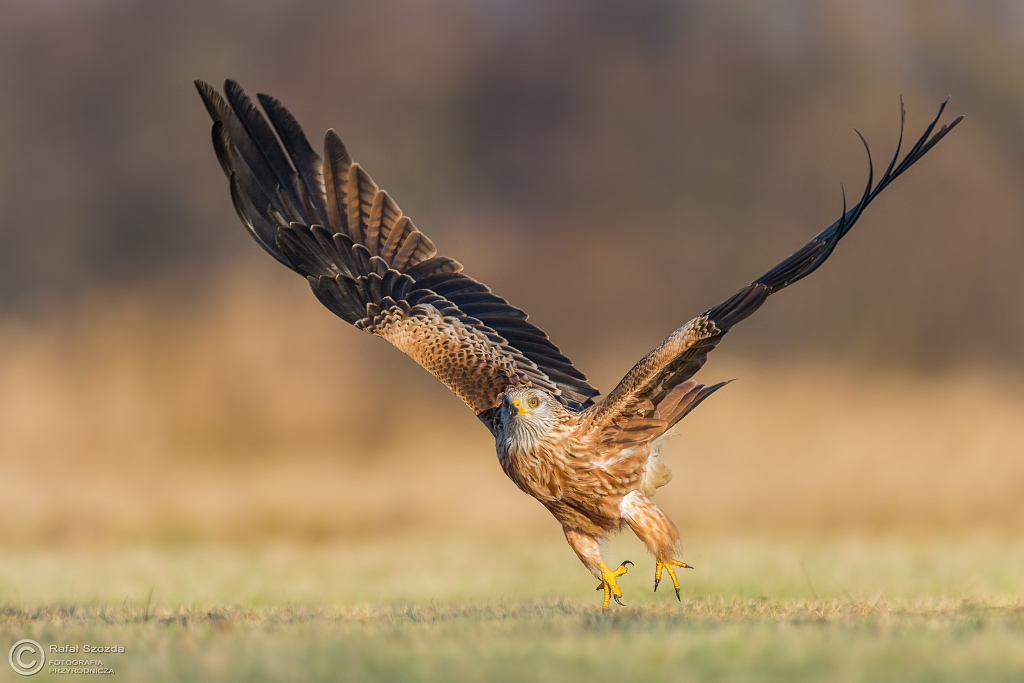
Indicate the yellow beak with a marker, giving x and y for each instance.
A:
(520, 410)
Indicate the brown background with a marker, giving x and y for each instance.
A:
(613, 168)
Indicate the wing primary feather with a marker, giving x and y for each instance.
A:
(214, 103)
(261, 229)
(336, 166)
(399, 232)
(308, 163)
(373, 223)
(250, 154)
(359, 195)
(899, 142)
(292, 242)
(403, 258)
(222, 147)
(261, 149)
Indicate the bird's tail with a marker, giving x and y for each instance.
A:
(683, 398)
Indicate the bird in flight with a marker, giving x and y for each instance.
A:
(593, 463)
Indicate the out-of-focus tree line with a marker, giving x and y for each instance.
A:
(612, 167)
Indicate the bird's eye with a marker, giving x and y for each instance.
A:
(533, 402)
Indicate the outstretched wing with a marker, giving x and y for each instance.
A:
(327, 220)
(659, 381)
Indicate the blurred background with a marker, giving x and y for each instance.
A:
(614, 168)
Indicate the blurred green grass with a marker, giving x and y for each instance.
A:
(476, 608)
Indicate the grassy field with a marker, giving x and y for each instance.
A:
(468, 609)
(185, 485)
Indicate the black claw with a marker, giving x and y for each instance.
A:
(677, 596)
(625, 562)
(689, 566)
(656, 582)
(621, 604)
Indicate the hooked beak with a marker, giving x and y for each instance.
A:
(520, 410)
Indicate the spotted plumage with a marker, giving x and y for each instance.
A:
(593, 464)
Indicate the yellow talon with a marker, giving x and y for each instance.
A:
(668, 563)
(608, 584)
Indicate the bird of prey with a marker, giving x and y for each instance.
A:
(592, 463)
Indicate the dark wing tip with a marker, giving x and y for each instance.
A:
(212, 100)
(811, 255)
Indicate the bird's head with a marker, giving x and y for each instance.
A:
(528, 415)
